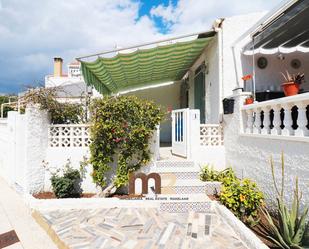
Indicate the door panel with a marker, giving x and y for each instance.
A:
(199, 94)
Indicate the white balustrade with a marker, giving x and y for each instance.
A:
(249, 127)
(266, 122)
(257, 122)
(276, 130)
(72, 135)
(211, 135)
(302, 121)
(289, 119)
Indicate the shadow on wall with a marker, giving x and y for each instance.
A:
(167, 96)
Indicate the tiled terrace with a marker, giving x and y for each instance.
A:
(135, 228)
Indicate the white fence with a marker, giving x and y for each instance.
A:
(211, 135)
(28, 143)
(280, 118)
(250, 140)
(72, 135)
(180, 132)
(202, 143)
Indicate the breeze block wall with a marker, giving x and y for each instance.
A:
(250, 157)
(30, 145)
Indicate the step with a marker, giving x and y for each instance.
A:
(175, 164)
(184, 204)
(179, 172)
(191, 186)
(185, 207)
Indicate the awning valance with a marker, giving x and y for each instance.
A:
(144, 67)
(287, 33)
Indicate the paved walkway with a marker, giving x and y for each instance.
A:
(17, 227)
(135, 228)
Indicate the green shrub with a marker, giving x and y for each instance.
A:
(60, 113)
(242, 197)
(121, 128)
(67, 185)
(7, 99)
(209, 174)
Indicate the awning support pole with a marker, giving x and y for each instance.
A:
(253, 71)
(144, 44)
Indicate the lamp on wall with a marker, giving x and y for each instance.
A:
(280, 57)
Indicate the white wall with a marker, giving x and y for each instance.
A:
(23, 143)
(57, 157)
(168, 97)
(211, 57)
(26, 141)
(52, 81)
(232, 29)
(5, 149)
(250, 156)
(271, 77)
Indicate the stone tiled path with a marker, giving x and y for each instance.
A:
(134, 228)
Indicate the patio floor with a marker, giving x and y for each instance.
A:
(135, 228)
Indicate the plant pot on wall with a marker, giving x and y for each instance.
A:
(292, 82)
(249, 101)
(290, 88)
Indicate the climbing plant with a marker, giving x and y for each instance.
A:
(60, 113)
(121, 129)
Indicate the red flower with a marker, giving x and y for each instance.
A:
(117, 140)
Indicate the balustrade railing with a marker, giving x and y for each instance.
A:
(72, 135)
(288, 116)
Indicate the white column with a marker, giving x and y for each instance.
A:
(288, 130)
(36, 148)
(249, 121)
(276, 130)
(266, 122)
(257, 122)
(193, 139)
(302, 130)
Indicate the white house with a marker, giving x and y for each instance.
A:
(191, 75)
(256, 44)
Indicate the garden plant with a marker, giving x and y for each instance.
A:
(60, 113)
(241, 196)
(66, 183)
(288, 229)
(121, 130)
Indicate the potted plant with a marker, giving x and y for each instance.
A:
(292, 83)
(249, 100)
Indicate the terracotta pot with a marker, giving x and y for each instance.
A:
(290, 88)
(249, 101)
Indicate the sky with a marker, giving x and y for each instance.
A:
(33, 32)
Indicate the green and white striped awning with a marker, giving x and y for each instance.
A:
(143, 67)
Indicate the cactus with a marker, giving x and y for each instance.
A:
(290, 229)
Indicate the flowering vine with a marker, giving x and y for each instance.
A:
(121, 129)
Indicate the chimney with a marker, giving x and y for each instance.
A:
(58, 66)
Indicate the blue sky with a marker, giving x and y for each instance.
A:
(145, 8)
(33, 32)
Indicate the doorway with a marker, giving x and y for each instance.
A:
(199, 93)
